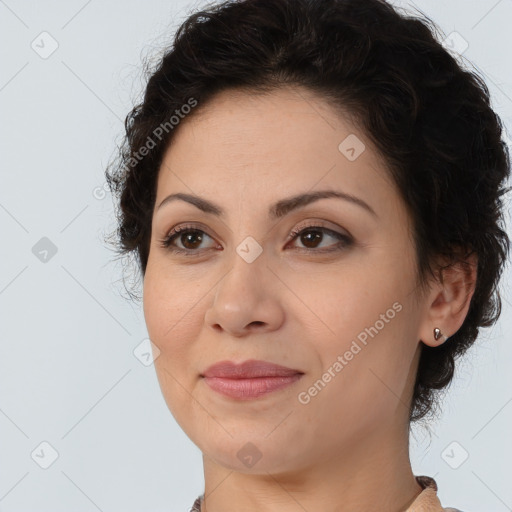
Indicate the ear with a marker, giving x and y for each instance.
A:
(447, 303)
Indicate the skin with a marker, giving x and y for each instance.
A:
(347, 448)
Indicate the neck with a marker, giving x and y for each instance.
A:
(373, 474)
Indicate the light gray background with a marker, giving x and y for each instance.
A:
(68, 373)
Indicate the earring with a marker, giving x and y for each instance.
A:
(438, 334)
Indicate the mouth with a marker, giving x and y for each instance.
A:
(250, 379)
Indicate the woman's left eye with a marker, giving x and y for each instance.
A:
(313, 235)
(191, 238)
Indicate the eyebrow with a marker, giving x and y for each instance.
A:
(277, 210)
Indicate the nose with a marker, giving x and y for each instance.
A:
(247, 299)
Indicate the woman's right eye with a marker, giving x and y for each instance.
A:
(190, 238)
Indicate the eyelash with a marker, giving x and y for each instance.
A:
(344, 240)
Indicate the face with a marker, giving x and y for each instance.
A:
(337, 300)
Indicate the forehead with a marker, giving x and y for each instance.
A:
(287, 140)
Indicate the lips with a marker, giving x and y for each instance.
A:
(248, 370)
(249, 380)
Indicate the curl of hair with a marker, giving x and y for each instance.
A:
(429, 117)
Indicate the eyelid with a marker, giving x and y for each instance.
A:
(187, 225)
(317, 223)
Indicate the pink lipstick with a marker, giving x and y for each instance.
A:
(250, 379)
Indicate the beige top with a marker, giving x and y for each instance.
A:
(426, 501)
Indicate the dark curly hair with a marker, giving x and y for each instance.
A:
(429, 117)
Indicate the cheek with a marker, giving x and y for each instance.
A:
(171, 316)
(364, 316)
(171, 312)
(341, 304)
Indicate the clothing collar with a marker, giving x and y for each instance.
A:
(426, 501)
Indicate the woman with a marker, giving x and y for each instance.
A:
(312, 190)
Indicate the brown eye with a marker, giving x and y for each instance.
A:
(312, 236)
(190, 239)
